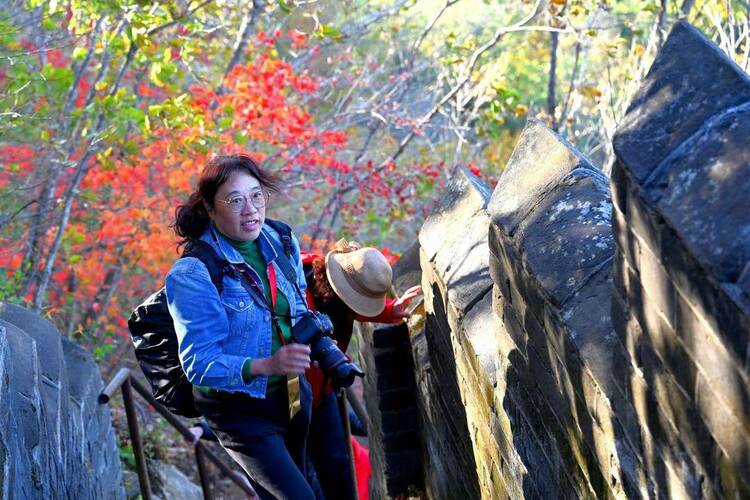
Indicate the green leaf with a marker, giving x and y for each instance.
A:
(240, 139)
(154, 74)
(225, 122)
(285, 7)
(49, 24)
(79, 53)
(328, 31)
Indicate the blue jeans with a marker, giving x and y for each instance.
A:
(258, 435)
(330, 451)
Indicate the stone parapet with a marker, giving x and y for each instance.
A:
(551, 251)
(56, 440)
(681, 187)
(589, 337)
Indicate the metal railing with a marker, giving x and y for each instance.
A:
(125, 381)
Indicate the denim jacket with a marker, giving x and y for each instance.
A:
(216, 334)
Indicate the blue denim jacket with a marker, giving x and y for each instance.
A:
(216, 334)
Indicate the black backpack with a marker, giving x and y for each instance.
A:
(154, 338)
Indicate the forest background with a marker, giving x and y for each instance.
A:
(110, 108)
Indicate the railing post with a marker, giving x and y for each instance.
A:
(341, 401)
(135, 439)
(203, 472)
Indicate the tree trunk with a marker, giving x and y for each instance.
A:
(552, 81)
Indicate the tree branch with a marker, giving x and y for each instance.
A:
(8, 219)
(521, 25)
(571, 85)
(431, 24)
(242, 36)
(70, 98)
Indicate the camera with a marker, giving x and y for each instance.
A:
(315, 329)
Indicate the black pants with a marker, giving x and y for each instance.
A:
(329, 450)
(259, 436)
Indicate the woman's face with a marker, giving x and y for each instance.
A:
(234, 213)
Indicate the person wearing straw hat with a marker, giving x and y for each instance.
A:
(349, 283)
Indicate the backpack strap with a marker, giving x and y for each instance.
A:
(217, 267)
(286, 235)
(285, 232)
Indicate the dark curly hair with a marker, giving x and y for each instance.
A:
(321, 288)
(191, 218)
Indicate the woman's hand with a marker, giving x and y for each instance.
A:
(402, 303)
(289, 359)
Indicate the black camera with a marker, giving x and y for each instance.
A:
(315, 329)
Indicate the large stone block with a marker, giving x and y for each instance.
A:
(465, 196)
(450, 468)
(568, 238)
(406, 270)
(392, 409)
(540, 160)
(677, 99)
(702, 191)
(682, 179)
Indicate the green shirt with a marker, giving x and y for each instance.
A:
(252, 255)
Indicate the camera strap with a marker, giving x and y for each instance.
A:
(252, 286)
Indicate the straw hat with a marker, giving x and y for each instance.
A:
(360, 278)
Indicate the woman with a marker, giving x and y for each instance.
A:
(349, 283)
(234, 347)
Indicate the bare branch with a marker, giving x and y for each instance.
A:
(242, 36)
(431, 24)
(70, 98)
(661, 20)
(521, 25)
(571, 85)
(687, 6)
(9, 218)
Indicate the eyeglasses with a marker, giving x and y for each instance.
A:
(257, 198)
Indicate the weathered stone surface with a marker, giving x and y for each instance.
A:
(450, 467)
(406, 270)
(568, 237)
(171, 483)
(479, 330)
(465, 196)
(677, 98)
(21, 474)
(60, 442)
(641, 235)
(540, 160)
(464, 265)
(703, 190)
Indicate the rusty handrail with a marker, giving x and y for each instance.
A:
(358, 407)
(124, 380)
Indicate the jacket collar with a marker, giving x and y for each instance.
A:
(226, 250)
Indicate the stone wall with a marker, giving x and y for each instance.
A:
(577, 346)
(681, 190)
(455, 279)
(56, 441)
